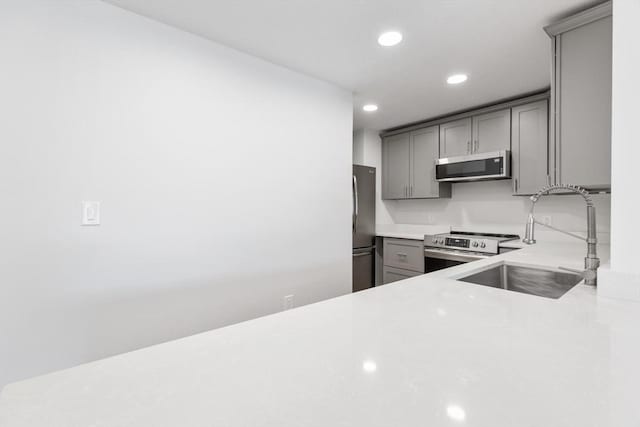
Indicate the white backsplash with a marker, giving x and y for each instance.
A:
(489, 207)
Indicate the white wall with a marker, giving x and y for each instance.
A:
(222, 182)
(489, 206)
(625, 203)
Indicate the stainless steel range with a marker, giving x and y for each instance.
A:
(458, 247)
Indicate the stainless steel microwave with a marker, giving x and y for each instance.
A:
(475, 167)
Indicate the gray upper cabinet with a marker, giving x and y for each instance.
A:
(408, 166)
(478, 134)
(395, 166)
(520, 125)
(581, 98)
(529, 147)
(492, 132)
(455, 138)
(422, 176)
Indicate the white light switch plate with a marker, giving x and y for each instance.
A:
(90, 213)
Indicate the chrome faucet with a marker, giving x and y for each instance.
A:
(591, 261)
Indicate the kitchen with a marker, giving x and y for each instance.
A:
(173, 281)
(555, 139)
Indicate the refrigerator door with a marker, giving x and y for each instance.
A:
(363, 264)
(364, 206)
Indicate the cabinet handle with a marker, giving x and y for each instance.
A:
(515, 185)
(401, 254)
(477, 146)
(468, 147)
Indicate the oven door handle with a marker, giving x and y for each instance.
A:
(453, 256)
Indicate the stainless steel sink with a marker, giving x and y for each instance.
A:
(527, 280)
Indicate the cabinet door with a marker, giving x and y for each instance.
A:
(455, 138)
(492, 132)
(530, 147)
(395, 166)
(583, 99)
(403, 253)
(390, 274)
(424, 153)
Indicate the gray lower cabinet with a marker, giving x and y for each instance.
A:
(390, 274)
(491, 132)
(408, 166)
(581, 95)
(402, 258)
(455, 138)
(530, 147)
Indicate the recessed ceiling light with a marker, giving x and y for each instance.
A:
(369, 366)
(456, 413)
(456, 79)
(370, 108)
(390, 38)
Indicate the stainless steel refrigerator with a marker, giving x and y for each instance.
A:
(363, 226)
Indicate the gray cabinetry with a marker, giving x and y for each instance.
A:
(581, 98)
(402, 258)
(408, 166)
(520, 125)
(491, 132)
(395, 166)
(422, 172)
(390, 274)
(478, 134)
(529, 147)
(404, 253)
(455, 138)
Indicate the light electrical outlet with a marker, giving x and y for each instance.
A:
(90, 213)
(287, 302)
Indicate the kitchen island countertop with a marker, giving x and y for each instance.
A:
(426, 351)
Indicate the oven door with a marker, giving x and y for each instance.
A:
(438, 259)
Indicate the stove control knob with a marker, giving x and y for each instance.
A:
(474, 244)
(483, 245)
(434, 240)
(441, 241)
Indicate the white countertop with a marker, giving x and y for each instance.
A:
(426, 351)
(400, 235)
(409, 231)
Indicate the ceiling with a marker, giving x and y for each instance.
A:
(500, 44)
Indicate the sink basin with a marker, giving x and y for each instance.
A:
(527, 280)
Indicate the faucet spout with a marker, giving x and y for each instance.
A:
(591, 261)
